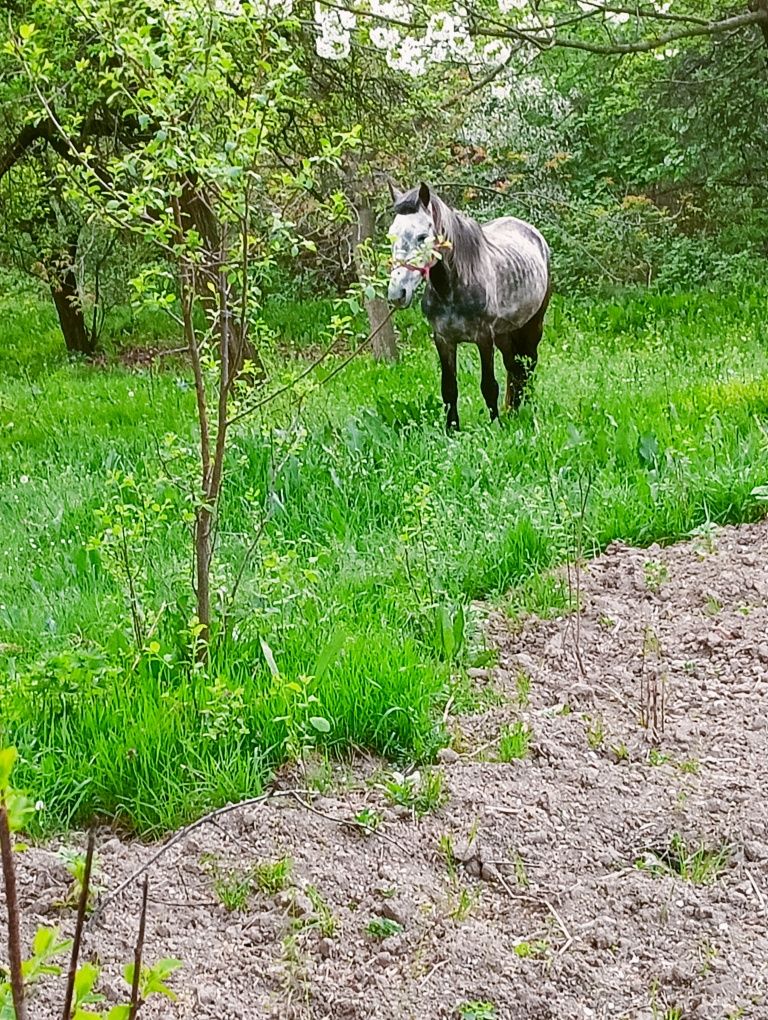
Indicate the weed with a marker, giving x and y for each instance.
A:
(469, 697)
(705, 538)
(689, 766)
(446, 851)
(422, 793)
(324, 919)
(521, 875)
(713, 605)
(620, 752)
(233, 888)
(514, 742)
(707, 954)
(699, 865)
(272, 876)
(476, 1010)
(383, 928)
(369, 819)
(655, 575)
(75, 863)
(522, 688)
(466, 900)
(535, 949)
(657, 757)
(595, 732)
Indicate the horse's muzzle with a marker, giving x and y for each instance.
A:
(399, 297)
(402, 286)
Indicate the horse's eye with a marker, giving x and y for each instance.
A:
(421, 239)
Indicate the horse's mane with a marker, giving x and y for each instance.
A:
(469, 251)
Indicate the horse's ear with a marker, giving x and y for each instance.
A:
(424, 196)
(393, 191)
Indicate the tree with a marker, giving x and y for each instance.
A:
(196, 93)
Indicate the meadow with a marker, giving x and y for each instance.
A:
(355, 534)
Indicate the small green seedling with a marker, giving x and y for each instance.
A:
(422, 793)
(523, 688)
(476, 1011)
(655, 575)
(272, 876)
(514, 742)
(368, 820)
(700, 866)
(322, 917)
(535, 949)
(521, 875)
(233, 888)
(595, 733)
(383, 928)
(466, 900)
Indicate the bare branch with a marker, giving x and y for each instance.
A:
(82, 906)
(686, 31)
(14, 920)
(138, 954)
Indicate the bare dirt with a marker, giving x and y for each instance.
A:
(546, 886)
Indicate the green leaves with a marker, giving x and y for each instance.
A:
(152, 979)
(8, 756)
(18, 806)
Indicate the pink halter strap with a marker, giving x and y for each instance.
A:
(422, 270)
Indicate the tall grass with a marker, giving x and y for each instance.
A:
(381, 530)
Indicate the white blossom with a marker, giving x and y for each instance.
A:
(333, 47)
(617, 17)
(505, 6)
(394, 10)
(496, 52)
(409, 57)
(231, 8)
(333, 41)
(384, 37)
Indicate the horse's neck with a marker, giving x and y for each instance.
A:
(448, 284)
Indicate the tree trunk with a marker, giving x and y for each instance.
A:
(384, 344)
(69, 307)
(197, 212)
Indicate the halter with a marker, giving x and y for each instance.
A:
(424, 271)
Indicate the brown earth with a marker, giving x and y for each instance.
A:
(524, 889)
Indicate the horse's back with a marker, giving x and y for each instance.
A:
(508, 230)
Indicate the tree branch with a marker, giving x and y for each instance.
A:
(688, 31)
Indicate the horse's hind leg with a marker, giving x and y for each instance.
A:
(520, 352)
(448, 383)
(519, 368)
(488, 385)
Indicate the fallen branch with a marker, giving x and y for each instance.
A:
(177, 838)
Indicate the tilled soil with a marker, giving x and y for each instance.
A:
(548, 887)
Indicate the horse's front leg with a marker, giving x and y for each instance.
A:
(488, 385)
(448, 383)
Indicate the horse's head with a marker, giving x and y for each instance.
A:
(414, 237)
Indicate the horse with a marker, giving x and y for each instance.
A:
(488, 284)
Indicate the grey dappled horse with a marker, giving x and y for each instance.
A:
(486, 284)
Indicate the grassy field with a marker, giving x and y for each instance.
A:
(648, 419)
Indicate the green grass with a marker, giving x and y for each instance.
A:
(514, 742)
(381, 531)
